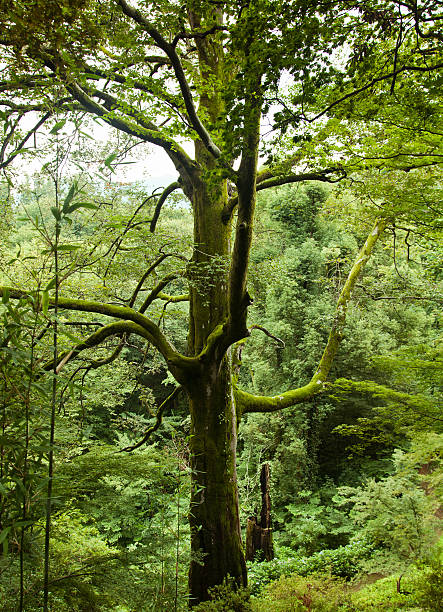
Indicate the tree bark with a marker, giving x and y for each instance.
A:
(217, 551)
(214, 517)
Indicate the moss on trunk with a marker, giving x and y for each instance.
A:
(214, 517)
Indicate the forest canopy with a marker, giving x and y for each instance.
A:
(277, 303)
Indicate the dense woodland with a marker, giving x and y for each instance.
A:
(276, 308)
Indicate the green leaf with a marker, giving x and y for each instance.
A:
(5, 296)
(58, 126)
(23, 523)
(86, 135)
(71, 193)
(67, 247)
(109, 160)
(4, 534)
(3, 490)
(56, 213)
(51, 284)
(45, 302)
(78, 205)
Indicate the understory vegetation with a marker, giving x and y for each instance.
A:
(356, 476)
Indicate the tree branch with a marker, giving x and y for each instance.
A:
(158, 422)
(247, 402)
(266, 180)
(239, 299)
(144, 130)
(162, 199)
(94, 339)
(173, 299)
(359, 90)
(157, 289)
(170, 51)
(25, 139)
(134, 322)
(151, 268)
(122, 80)
(268, 333)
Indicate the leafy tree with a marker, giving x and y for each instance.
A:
(209, 73)
(398, 514)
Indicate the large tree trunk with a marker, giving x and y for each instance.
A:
(214, 517)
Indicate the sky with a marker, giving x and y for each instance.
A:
(148, 163)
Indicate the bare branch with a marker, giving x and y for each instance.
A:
(91, 341)
(157, 289)
(359, 90)
(268, 333)
(149, 271)
(162, 199)
(22, 143)
(200, 35)
(158, 422)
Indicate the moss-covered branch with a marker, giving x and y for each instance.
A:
(247, 402)
(154, 294)
(133, 322)
(173, 299)
(93, 340)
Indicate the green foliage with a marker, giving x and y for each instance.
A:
(308, 451)
(428, 582)
(226, 598)
(317, 592)
(117, 537)
(102, 58)
(297, 208)
(24, 427)
(314, 521)
(419, 589)
(395, 514)
(384, 594)
(344, 561)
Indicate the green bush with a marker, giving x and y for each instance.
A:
(428, 584)
(226, 598)
(321, 593)
(383, 595)
(343, 562)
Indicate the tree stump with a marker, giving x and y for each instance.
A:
(259, 532)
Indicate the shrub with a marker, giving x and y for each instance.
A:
(344, 562)
(298, 594)
(428, 584)
(383, 595)
(226, 598)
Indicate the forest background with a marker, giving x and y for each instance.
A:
(90, 517)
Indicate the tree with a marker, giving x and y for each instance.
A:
(209, 72)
